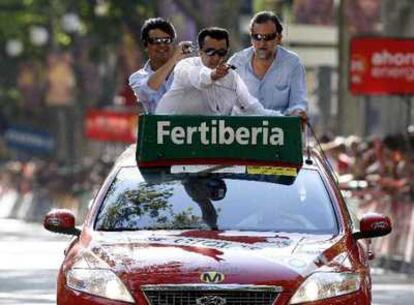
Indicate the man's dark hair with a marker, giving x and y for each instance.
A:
(156, 23)
(213, 32)
(265, 16)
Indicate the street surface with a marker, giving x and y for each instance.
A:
(30, 257)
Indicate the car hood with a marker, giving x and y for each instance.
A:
(162, 257)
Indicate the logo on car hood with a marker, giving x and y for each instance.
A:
(211, 300)
(212, 277)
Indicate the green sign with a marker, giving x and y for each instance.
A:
(183, 139)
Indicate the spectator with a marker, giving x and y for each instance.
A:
(152, 81)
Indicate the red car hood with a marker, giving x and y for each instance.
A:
(176, 257)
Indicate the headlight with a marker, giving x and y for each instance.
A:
(99, 282)
(324, 285)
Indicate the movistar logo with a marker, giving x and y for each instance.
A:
(216, 132)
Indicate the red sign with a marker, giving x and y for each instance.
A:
(382, 66)
(111, 126)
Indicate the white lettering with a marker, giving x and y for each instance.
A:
(387, 58)
(255, 132)
(190, 132)
(377, 59)
(398, 73)
(203, 129)
(160, 131)
(178, 135)
(223, 131)
(216, 132)
(29, 139)
(242, 136)
(277, 136)
(265, 132)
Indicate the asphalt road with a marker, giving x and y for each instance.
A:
(30, 257)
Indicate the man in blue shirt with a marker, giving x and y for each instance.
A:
(152, 81)
(274, 75)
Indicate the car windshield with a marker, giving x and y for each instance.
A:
(217, 202)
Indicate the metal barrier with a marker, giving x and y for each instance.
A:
(399, 245)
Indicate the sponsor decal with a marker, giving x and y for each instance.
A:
(211, 300)
(272, 170)
(212, 277)
(209, 243)
(219, 244)
(216, 132)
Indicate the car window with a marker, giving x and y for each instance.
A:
(226, 202)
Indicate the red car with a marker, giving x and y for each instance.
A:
(217, 235)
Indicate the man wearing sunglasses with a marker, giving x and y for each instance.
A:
(274, 75)
(152, 81)
(207, 85)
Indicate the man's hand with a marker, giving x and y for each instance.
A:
(220, 71)
(183, 50)
(156, 80)
(302, 114)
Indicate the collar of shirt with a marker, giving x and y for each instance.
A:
(278, 59)
(147, 67)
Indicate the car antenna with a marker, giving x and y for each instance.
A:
(325, 159)
(307, 145)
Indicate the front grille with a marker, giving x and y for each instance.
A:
(189, 294)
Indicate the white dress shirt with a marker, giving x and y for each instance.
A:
(194, 92)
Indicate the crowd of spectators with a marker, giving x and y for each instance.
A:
(40, 185)
(383, 165)
(376, 175)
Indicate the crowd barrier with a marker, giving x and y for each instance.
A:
(33, 205)
(396, 250)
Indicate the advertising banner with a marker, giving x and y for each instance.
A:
(111, 126)
(206, 139)
(382, 66)
(28, 140)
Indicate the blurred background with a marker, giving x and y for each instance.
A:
(66, 110)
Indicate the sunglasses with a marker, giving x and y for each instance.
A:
(212, 52)
(265, 37)
(160, 40)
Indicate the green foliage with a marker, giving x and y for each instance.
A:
(103, 24)
(146, 203)
(18, 16)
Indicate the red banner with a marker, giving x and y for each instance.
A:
(382, 66)
(111, 126)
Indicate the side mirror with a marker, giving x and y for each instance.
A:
(373, 225)
(61, 221)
